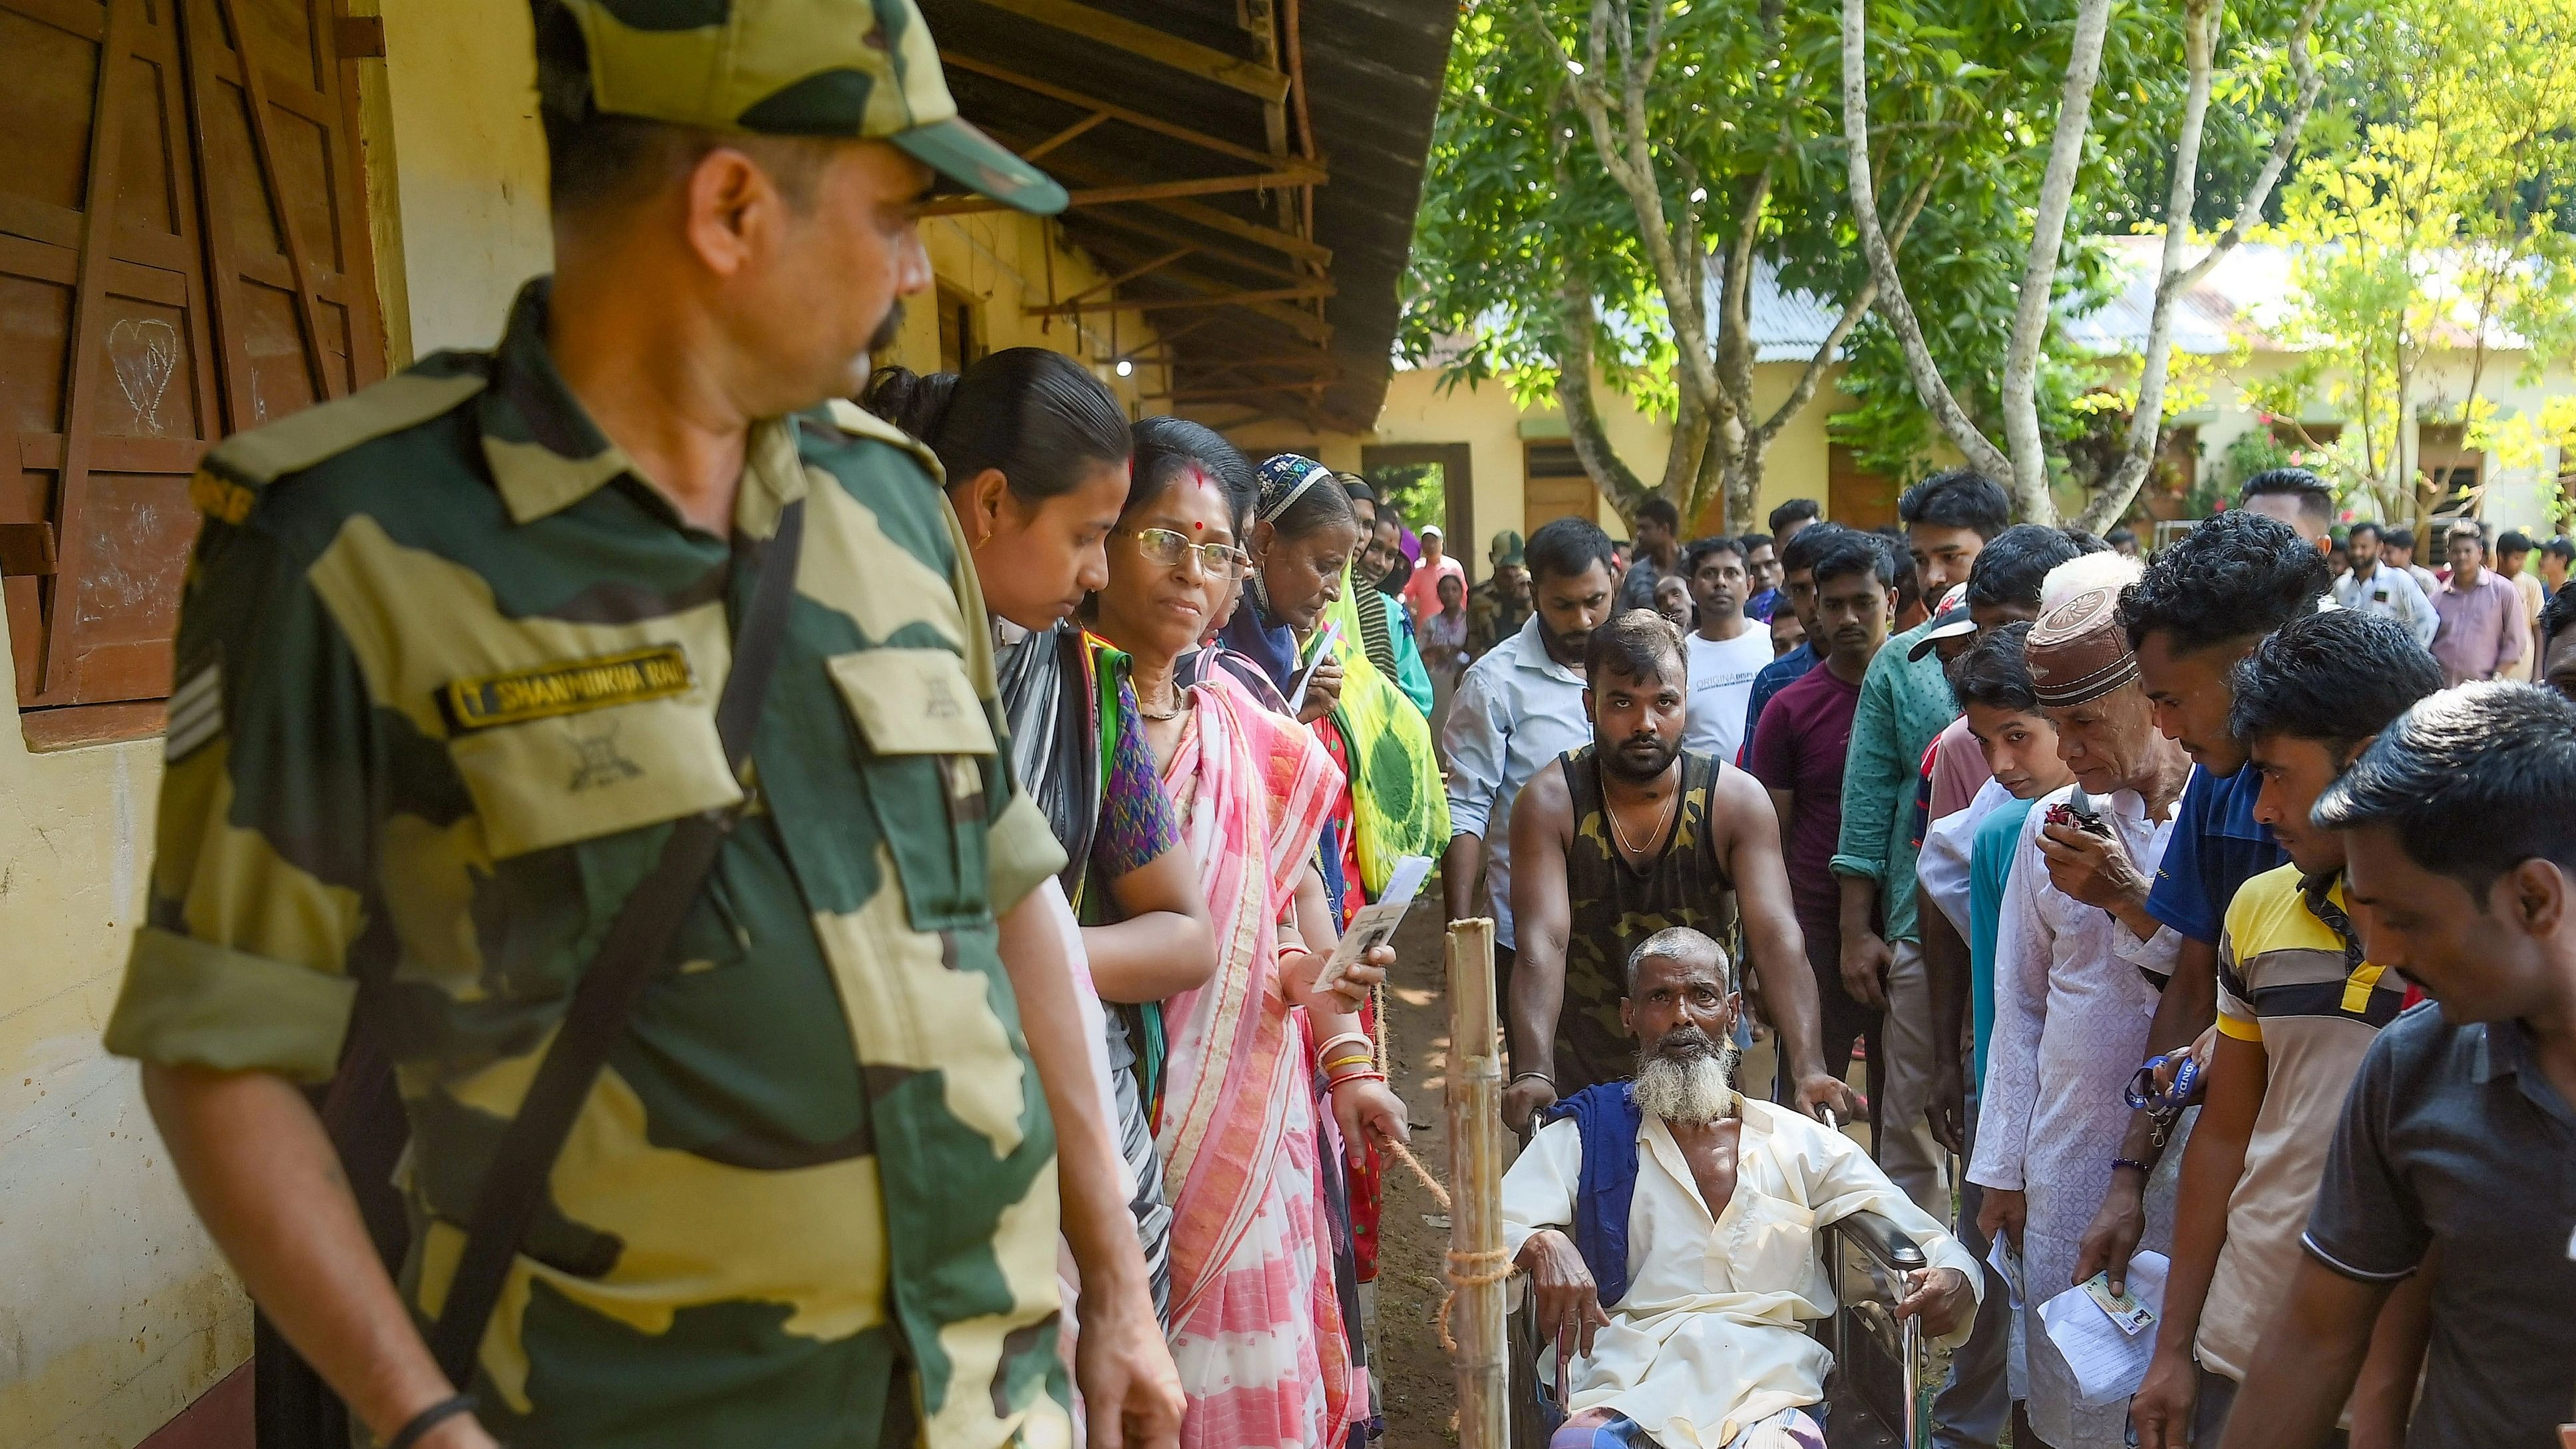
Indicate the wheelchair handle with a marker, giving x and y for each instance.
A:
(1879, 1237)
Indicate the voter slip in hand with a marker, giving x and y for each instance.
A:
(2109, 1356)
(1375, 924)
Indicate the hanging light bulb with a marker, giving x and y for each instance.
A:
(1125, 368)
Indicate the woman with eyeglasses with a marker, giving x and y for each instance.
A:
(1258, 1322)
(1036, 452)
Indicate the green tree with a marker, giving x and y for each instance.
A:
(2439, 227)
(1605, 175)
(2085, 84)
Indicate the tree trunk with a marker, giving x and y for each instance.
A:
(1893, 304)
(2039, 275)
(2146, 422)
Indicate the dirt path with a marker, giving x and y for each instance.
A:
(1421, 1398)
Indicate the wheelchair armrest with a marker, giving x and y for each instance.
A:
(1879, 1238)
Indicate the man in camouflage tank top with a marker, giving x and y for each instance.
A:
(1628, 836)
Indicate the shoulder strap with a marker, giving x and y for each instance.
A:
(604, 1000)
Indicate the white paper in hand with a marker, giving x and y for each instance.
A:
(2108, 1361)
(1306, 676)
(1375, 924)
(2007, 1265)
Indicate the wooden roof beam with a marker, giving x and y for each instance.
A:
(1305, 324)
(1169, 304)
(1152, 191)
(1205, 62)
(1131, 274)
(1219, 394)
(958, 60)
(1209, 217)
(1067, 134)
(1139, 226)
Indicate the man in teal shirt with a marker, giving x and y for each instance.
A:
(1904, 703)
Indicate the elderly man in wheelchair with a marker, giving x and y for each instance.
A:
(1670, 1230)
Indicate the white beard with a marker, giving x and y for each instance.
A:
(1701, 1089)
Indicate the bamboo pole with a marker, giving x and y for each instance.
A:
(1476, 1266)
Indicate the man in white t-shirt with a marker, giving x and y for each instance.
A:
(1726, 650)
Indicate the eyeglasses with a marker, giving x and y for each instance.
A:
(1164, 548)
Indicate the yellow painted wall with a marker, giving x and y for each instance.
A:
(1419, 409)
(116, 1310)
(1000, 260)
(468, 179)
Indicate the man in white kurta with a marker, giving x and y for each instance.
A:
(1705, 1344)
(2074, 985)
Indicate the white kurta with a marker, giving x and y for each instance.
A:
(2071, 1015)
(1707, 1340)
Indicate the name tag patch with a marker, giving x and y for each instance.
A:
(570, 688)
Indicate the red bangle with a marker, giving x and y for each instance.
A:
(1371, 1075)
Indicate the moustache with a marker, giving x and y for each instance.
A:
(889, 331)
(1686, 1043)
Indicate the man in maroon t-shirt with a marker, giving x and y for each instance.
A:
(1798, 752)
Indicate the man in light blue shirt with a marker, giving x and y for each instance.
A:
(2372, 587)
(1517, 708)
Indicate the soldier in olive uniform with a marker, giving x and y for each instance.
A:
(448, 660)
(1498, 607)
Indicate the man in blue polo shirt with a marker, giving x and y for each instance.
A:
(2200, 608)
(2458, 1140)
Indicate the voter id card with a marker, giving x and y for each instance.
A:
(2123, 1307)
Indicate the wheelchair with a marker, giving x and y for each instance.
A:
(1875, 1386)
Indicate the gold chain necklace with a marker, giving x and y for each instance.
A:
(1662, 818)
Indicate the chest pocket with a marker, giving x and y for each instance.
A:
(927, 751)
(596, 772)
(1765, 1244)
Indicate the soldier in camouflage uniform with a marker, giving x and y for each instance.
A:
(1498, 607)
(448, 659)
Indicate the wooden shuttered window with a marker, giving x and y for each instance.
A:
(183, 253)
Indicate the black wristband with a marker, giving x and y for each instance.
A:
(2145, 1169)
(430, 1418)
(1525, 1076)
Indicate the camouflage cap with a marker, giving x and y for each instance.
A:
(865, 69)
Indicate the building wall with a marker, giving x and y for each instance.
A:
(116, 1311)
(1419, 409)
(1005, 262)
(2513, 496)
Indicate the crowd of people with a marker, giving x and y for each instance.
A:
(2124, 876)
(817, 892)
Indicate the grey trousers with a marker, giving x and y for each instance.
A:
(1974, 1401)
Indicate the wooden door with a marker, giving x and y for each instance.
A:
(1854, 496)
(183, 252)
(1554, 486)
